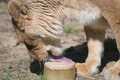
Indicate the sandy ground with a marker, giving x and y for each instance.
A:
(14, 60)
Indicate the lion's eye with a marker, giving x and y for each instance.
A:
(22, 13)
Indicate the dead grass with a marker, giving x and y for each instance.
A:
(70, 29)
(7, 77)
(43, 77)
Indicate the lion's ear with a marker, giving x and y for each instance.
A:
(17, 9)
(19, 12)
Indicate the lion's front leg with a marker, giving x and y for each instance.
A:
(95, 39)
(39, 52)
(36, 49)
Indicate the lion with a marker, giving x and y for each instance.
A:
(39, 25)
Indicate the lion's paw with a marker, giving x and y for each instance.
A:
(112, 73)
(86, 70)
(39, 54)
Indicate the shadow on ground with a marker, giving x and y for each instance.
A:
(79, 54)
(37, 67)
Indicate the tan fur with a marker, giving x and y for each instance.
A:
(113, 72)
(39, 24)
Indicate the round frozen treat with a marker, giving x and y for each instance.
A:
(60, 69)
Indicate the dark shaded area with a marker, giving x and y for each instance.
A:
(37, 67)
(79, 54)
(111, 52)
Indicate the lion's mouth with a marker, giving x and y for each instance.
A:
(62, 59)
